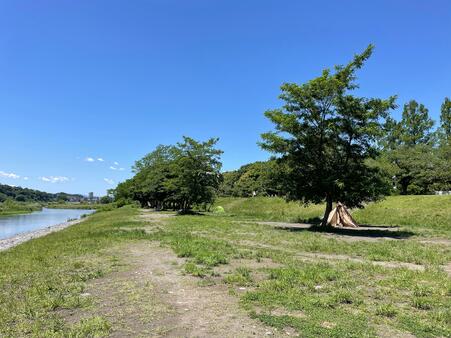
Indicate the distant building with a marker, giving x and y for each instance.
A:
(91, 198)
(75, 199)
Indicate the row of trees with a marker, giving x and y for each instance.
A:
(414, 158)
(176, 176)
(413, 154)
(328, 145)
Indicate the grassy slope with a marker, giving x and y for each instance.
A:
(431, 213)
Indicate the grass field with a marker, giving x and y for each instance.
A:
(425, 214)
(305, 283)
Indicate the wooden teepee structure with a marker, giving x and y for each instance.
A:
(341, 218)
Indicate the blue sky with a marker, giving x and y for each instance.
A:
(113, 79)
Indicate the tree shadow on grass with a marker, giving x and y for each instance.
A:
(189, 213)
(365, 230)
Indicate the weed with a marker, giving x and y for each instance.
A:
(241, 277)
(386, 310)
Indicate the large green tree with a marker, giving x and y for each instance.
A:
(324, 136)
(196, 173)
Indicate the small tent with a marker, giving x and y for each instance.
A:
(341, 218)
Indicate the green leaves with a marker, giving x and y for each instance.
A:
(415, 124)
(324, 135)
(176, 177)
(414, 160)
(445, 119)
(258, 178)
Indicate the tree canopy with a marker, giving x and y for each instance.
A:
(175, 176)
(445, 119)
(416, 124)
(253, 179)
(417, 159)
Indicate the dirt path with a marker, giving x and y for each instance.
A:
(153, 298)
(194, 311)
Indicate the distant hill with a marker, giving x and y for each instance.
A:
(30, 195)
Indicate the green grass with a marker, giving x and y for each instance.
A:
(47, 274)
(269, 209)
(430, 214)
(339, 298)
(355, 298)
(426, 212)
(283, 286)
(9, 207)
(241, 277)
(68, 205)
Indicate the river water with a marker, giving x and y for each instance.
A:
(16, 224)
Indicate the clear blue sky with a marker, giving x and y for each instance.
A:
(113, 79)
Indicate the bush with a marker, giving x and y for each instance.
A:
(218, 210)
(106, 200)
(21, 198)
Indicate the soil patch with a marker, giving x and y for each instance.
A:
(154, 298)
(316, 256)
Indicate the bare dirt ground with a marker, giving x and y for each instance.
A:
(310, 256)
(153, 298)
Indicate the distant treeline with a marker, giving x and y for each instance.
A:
(19, 194)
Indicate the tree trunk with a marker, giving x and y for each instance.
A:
(404, 184)
(327, 211)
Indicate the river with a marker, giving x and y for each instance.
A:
(16, 224)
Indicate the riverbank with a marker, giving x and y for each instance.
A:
(10, 242)
(71, 205)
(93, 206)
(9, 208)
